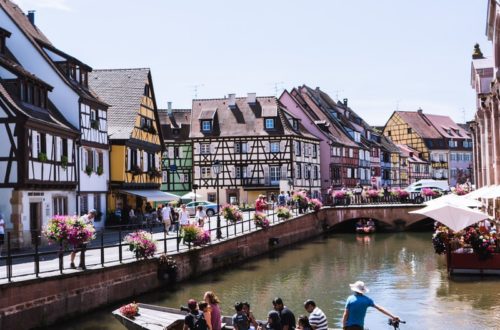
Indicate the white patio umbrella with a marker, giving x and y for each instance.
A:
(454, 200)
(479, 193)
(190, 195)
(493, 192)
(454, 217)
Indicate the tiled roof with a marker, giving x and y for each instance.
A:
(405, 152)
(244, 119)
(420, 124)
(123, 90)
(22, 21)
(387, 143)
(178, 119)
(447, 127)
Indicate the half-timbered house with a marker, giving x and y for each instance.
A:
(72, 96)
(177, 159)
(259, 145)
(37, 151)
(416, 168)
(135, 136)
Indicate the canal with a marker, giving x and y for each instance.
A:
(401, 270)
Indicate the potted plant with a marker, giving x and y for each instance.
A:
(42, 157)
(315, 204)
(141, 243)
(260, 220)
(94, 123)
(283, 212)
(136, 170)
(189, 233)
(64, 230)
(130, 310)
(88, 170)
(100, 170)
(154, 173)
(231, 213)
(64, 161)
(167, 268)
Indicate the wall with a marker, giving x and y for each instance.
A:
(44, 301)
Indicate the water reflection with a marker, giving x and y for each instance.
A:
(401, 270)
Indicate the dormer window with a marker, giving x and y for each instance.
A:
(4, 34)
(175, 131)
(295, 124)
(33, 94)
(269, 123)
(206, 125)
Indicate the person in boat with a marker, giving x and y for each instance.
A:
(195, 319)
(273, 321)
(356, 306)
(360, 225)
(203, 306)
(317, 319)
(370, 226)
(214, 308)
(303, 323)
(248, 312)
(286, 316)
(240, 318)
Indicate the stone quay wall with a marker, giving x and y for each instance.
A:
(44, 301)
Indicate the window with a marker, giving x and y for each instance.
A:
(64, 149)
(453, 144)
(240, 147)
(241, 172)
(453, 156)
(133, 158)
(460, 157)
(307, 172)
(206, 125)
(349, 172)
(298, 171)
(206, 172)
(298, 148)
(351, 153)
(275, 147)
(43, 143)
(316, 173)
(59, 205)
(388, 133)
(442, 157)
(97, 206)
(176, 152)
(84, 204)
(295, 124)
(315, 150)
(274, 173)
(100, 162)
(151, 161)
(205, 148)
(90, 159)
(211, 197)
(176, 131)
(409, 130)
(269, 123)
(146, 90)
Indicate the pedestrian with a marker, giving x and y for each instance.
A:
(273, 321)
(195, 319)
(303, 323)
(288, 199)
(240, 319)
(2, 232)
(317, 319)
(273, 198)
(166, 215)
(260, 204)
(251, 318)
(214, 308)
(203, 306)
(183, 216)
(286, 315)
(356, 306)
(200, 216)
(89, 219)
(282, 199)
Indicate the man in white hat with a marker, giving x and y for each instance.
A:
(356, 306)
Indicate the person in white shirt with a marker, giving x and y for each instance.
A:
(166, 214)
(200, 216)
(2, 232)
(183, 216)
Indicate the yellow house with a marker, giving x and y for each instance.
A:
(135, 138)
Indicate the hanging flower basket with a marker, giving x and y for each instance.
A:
(64, 230)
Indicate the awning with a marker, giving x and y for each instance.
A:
(152, 195)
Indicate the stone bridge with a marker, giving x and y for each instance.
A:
(390, 216)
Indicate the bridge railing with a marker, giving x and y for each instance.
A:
(359, 199)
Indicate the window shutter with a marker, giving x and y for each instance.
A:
(212, 149)
(144, 160)
(266, 174)
(170, 152)
(83, 158)
(70, 151)
(181, 152)
(283, 172)
(157, 161)
(197, 172)
(95, 160)
(34, 151)
(129, 159)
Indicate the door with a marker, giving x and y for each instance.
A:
(35, 222)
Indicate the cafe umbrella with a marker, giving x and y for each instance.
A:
(453, 216)
(454, 200)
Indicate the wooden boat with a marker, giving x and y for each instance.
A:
(153, 317)
(365, 230)
(466, 263)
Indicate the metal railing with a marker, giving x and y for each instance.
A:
(110, 246)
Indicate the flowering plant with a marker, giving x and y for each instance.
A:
(231, 213)
(428, 192)
(482, 242)
(196, 235)
(315, 204)
(168, 262)
(299, 196)
(69, 230)
(439, 239)
(339, 194)
(130, 310)
(283, 212)
(460, 190)
(373, 193)
(260, 220)
(400, 193)
(141, 243)
(202, 238)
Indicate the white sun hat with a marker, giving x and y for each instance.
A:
(359, 287)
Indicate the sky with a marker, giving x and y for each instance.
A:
(382, 56)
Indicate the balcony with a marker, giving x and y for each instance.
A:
(266, 181)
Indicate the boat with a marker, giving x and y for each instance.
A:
(152, 317)
(463, 262)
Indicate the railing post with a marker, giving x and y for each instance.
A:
(227, 229)
(61, 261)
(37, 258)
(164, 240)
(177, 237)
(249, 221)
(102, 248)
(120, 244)
(9, 258)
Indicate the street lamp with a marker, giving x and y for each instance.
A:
(216, 167)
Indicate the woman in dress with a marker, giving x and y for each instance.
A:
(214, 308)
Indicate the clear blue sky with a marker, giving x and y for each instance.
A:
(381, 55)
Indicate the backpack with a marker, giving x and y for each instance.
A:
(199, 322)
(241, 321)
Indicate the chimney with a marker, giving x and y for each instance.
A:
(420, 111)
(31, 17)
(477, 54)
(232, 100)
(345, 102)
(169, 108)
(411, 154)
(251, 98)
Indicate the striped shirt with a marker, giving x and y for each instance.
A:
(318, 320)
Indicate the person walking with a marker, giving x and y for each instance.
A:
(356, 306)
(2, 232)
(282, 199)
(214, 308)
(195, 319)
(200, 216)
(166, 215)
(286, 315)
(260, 204)
(183, 216)
(89, 219)
(317, 319)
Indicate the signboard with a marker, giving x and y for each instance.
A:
(173, 168)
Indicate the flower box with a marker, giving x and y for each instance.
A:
(472, 263)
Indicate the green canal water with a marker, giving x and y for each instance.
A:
(401, 270)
